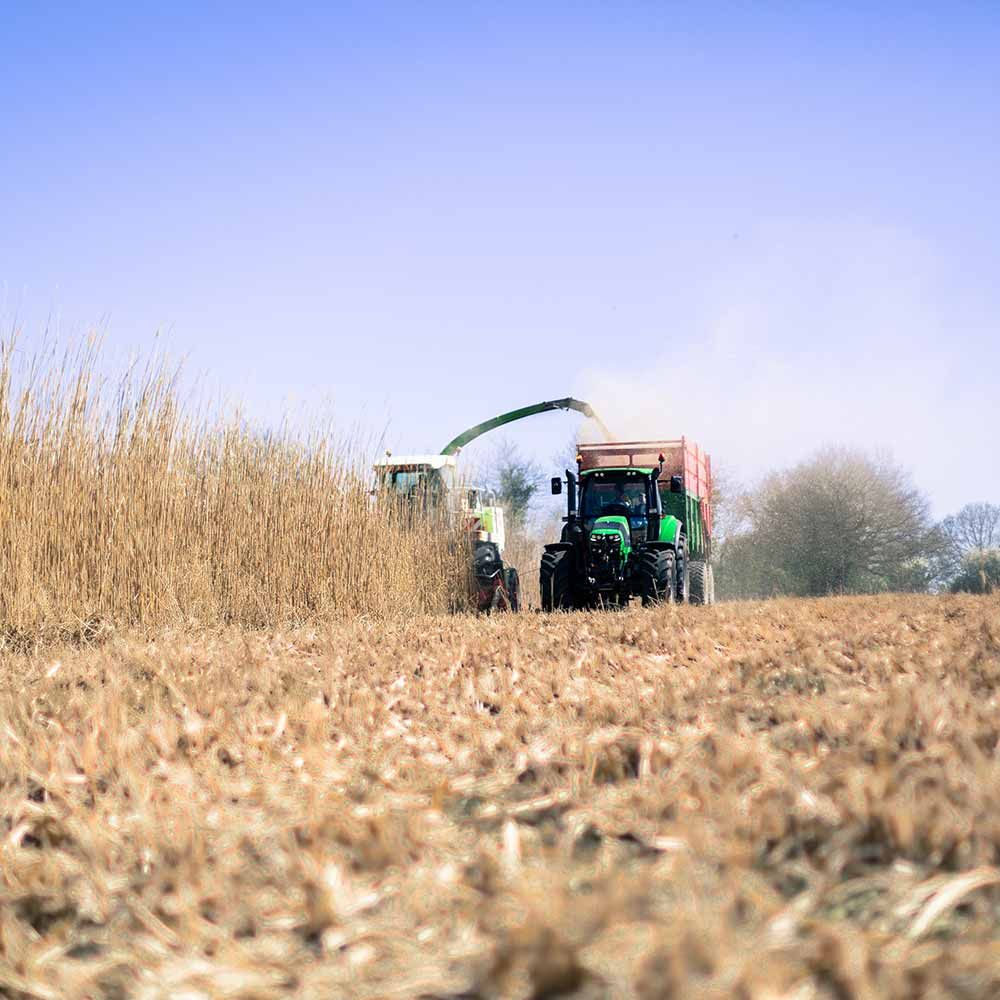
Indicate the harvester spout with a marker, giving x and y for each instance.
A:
(568, 403)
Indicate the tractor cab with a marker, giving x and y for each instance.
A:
(618, 499)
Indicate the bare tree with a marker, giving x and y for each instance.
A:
(840, 522)
(974, 529)
(963, 538)
(516, 480)
(980, 572)
(565, 458)
(730, 506)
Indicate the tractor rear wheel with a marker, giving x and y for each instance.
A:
(555, 581)
(698, 581)
(656, 577)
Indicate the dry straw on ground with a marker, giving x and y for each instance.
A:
(119, 507)
(792, 799)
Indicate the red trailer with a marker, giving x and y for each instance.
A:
(681, 457)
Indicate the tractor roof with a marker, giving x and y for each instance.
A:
(618, 468)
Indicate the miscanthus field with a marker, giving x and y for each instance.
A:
(791, 799)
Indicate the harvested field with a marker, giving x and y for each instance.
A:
(791, 799)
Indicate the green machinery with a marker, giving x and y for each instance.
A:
(454, 446)
(638, 524)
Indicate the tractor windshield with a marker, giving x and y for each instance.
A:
(621, 495)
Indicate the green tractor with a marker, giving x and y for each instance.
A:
(638, 524)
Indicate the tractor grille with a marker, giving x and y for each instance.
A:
(605, 560)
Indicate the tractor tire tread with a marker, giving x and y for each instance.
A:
(555, 581)
(656, 573)
(698, 577)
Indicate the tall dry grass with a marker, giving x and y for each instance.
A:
(120, 505)
(524, 548)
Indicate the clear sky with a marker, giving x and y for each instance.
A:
(772, 226)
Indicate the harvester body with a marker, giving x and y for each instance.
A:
(430, 484)
(638, 524)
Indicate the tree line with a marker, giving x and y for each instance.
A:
(846, 522)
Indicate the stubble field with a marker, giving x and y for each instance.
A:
(791, 799)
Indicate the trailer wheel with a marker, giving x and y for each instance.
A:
(657, 577)
(699, 581)
(555, 582)
(681, 564)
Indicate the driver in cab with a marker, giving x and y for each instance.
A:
(634, 501)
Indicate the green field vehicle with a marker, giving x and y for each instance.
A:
(638, 524)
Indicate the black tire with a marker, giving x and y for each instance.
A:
(656, 577)
(513, 584)
(683, 591)
(555, 582)
(698, 581)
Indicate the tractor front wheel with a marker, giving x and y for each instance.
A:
(555, 581)
(657, 577)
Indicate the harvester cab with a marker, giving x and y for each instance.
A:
(638, 524)
(432, 482)
(428, 480)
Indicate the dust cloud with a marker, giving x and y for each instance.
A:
(845, 333)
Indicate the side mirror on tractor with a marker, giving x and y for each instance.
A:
(556, 486)
(676, 484)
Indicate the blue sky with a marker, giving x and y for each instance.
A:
(771, 226)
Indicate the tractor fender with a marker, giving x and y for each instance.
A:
(558, 547)
(670, 534)
(659, 546)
